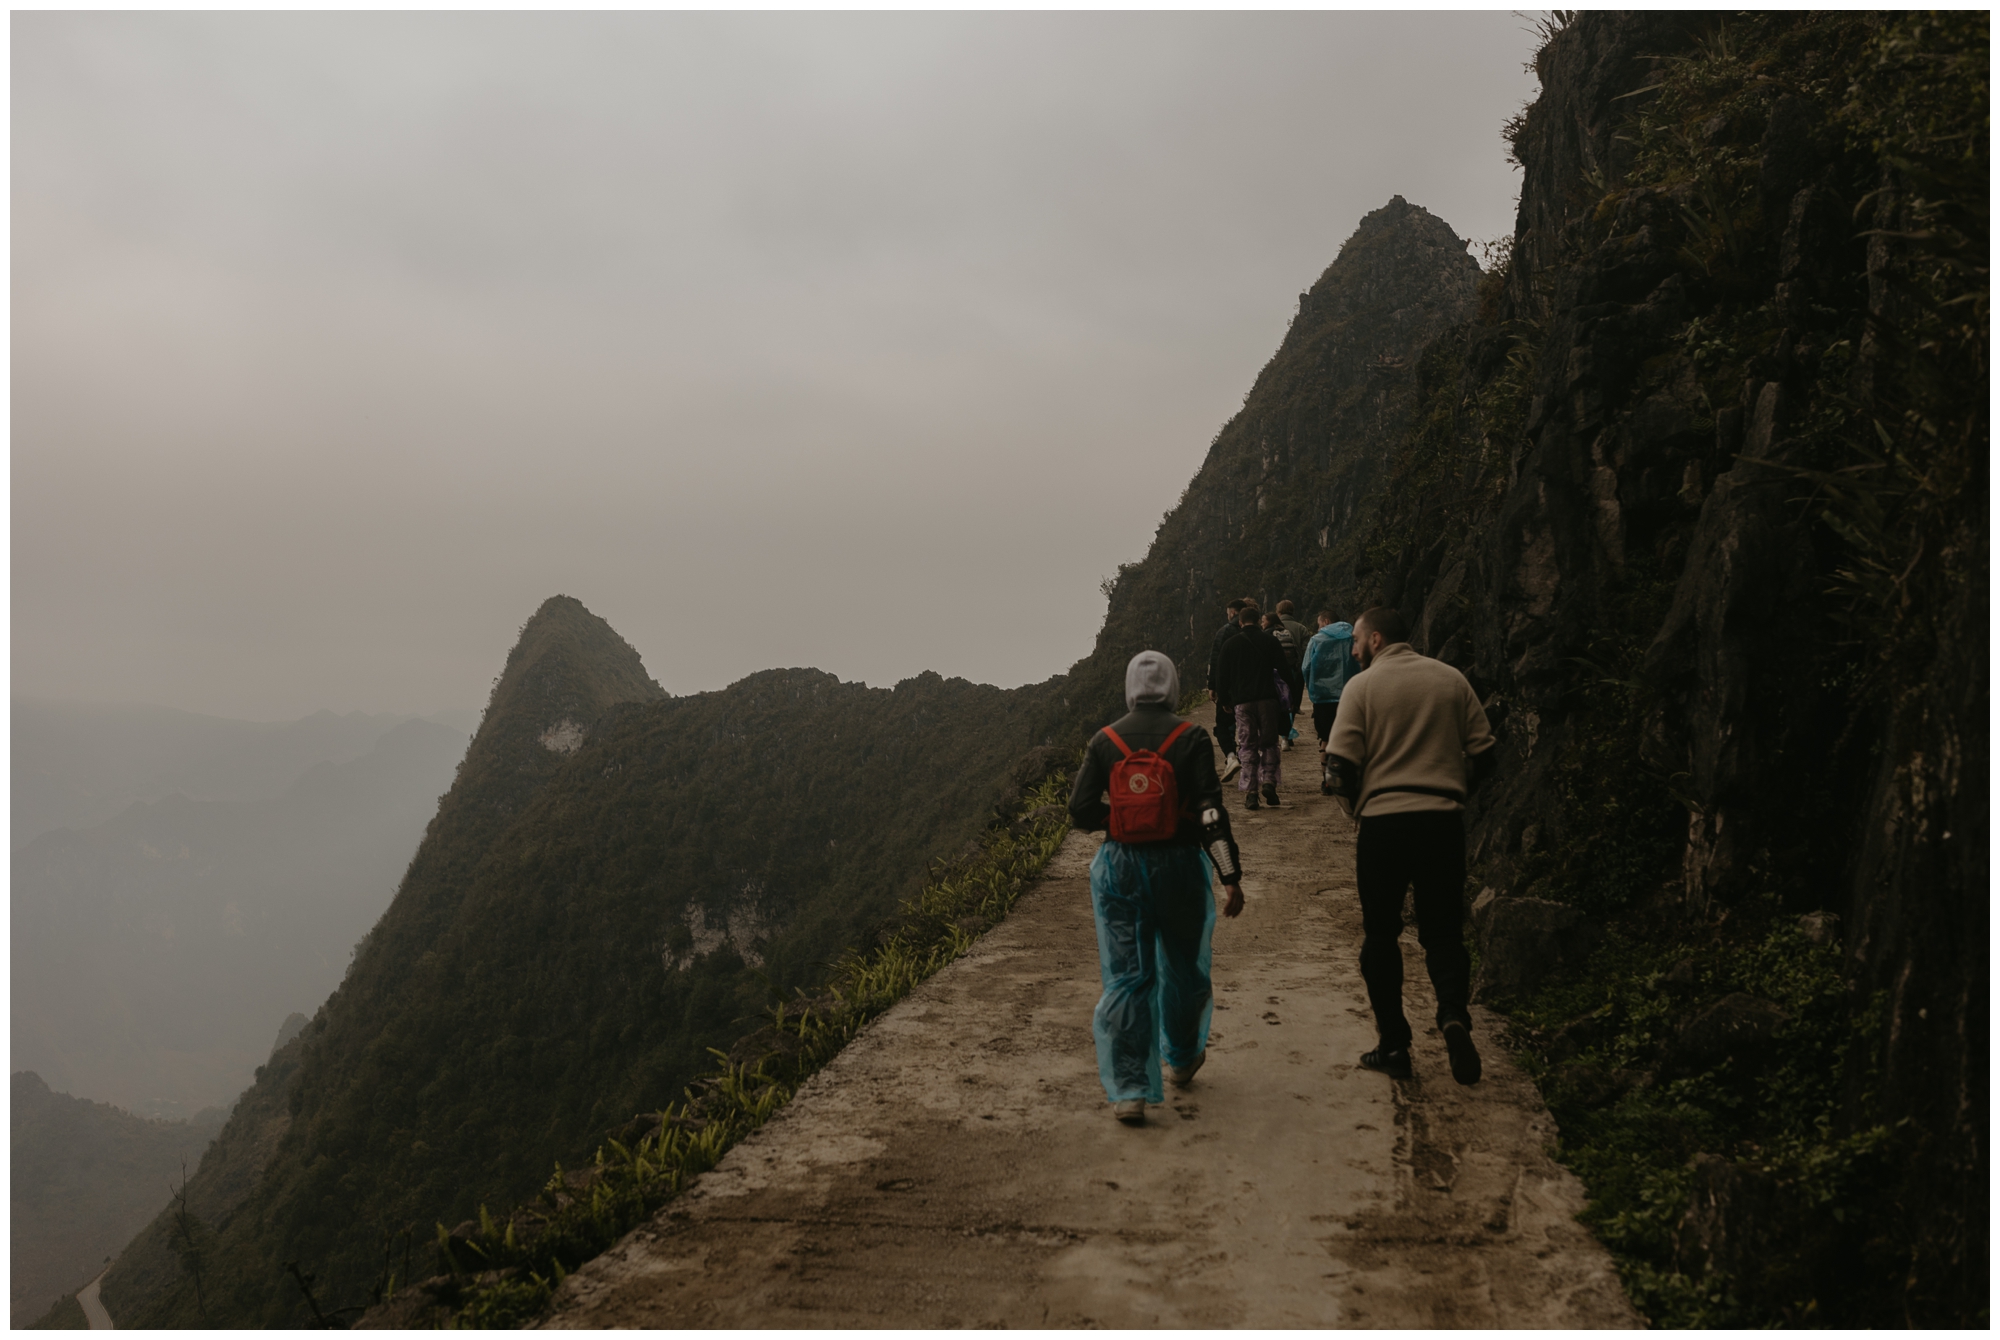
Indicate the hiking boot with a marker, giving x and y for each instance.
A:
(1231, 767)
(1132, 1111)
(1395, 1064)
(1249, 800)
(1180, 1078)
(1464, 1056)
(1271, 796)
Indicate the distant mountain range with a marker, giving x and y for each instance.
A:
(75, 765)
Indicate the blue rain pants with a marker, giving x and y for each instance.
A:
(1154, 920)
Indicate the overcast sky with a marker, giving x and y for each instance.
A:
(865, 342)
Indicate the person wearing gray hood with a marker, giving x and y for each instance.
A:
(1148, 780)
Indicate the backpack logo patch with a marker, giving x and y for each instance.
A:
(1139, 783)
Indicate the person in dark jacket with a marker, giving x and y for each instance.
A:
(1253, 665)
(1225, 720)
(1275, 626)
(1154, 911)
(1300, 636)
(1300, 633)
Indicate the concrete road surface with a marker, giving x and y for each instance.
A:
(957, 1164)
(93, 1306)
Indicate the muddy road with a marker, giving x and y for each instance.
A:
(957, 1164)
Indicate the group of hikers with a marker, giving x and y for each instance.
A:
(1403, 742)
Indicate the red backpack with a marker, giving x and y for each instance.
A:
(1145, 799)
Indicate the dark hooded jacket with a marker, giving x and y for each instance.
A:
(1223, 637)
(1151, 687)
(1249, 660)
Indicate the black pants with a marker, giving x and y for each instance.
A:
(1225, 728)
(1393, 852)
(1323, 721)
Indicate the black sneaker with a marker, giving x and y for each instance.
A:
(1394, 1064)
(1249, 800)
(1464, 1056)
(1271, 796)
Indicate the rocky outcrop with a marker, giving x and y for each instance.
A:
(1523, 941)
(1288, 478)
(1708, 596)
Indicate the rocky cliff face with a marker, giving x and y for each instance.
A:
(1692, 491)
(1285, 478)
(1738, 402)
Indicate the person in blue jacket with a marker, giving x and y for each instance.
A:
(1329, 665)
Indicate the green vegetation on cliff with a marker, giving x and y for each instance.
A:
(503, 1271)
(617, 882)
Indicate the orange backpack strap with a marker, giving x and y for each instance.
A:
(1164, 744)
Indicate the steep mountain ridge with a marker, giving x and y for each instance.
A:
(1283, 480)
(611, 887)
(567, 668)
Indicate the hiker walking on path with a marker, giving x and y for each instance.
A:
(1149, 780)
(1329, 665)
(1275, 626)
(1300, 636)
(1300, 633)
(1253, 666)
(1408, 732)
(1225, 720)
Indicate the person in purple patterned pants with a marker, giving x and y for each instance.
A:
(1248, 678)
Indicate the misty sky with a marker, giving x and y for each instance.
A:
(870, 343)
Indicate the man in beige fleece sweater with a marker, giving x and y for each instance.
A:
(1409, 743)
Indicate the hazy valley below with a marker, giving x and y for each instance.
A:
(84, 1178)
(186, 891)
(155, 952)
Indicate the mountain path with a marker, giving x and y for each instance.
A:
(957, 1163)
(93, 1306)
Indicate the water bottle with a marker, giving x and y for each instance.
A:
(1215, 839)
